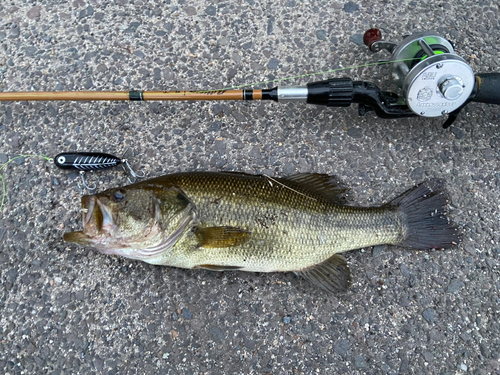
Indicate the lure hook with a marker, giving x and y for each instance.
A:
(134, 174)
(84, 183)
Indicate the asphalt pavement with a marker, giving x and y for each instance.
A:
(65, 309)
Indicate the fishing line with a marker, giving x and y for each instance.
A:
(309, 75)
(81, 162)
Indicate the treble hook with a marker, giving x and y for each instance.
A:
(135, 175)
(84, 183)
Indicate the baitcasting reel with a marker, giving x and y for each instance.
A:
(435, 81)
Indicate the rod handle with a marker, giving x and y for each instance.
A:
(334, 92)
(487, 88)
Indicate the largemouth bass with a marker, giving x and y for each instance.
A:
(236, 221)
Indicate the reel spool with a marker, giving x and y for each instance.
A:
(435, 81)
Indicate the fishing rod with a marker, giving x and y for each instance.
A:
(433, 79)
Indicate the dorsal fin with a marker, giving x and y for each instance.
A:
(330, 187)
(215, 237)
(333, 275)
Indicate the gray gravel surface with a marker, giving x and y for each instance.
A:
(70, 310)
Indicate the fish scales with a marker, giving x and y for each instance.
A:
(227, 220)
(292, 228)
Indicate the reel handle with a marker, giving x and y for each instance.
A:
(487, 88)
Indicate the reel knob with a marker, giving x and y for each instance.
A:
(451, 88)
(371, 36)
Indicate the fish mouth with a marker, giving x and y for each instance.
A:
(101, 230)
(77, 237)
(88, 204)
(97, 221)
(107, 223)
(97, 217)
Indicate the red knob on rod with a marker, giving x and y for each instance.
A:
(371, 36)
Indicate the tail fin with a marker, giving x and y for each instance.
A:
(423, 209)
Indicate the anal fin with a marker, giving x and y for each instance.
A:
(220, 237)
(333, 275)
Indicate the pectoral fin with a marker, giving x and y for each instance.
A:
(332, 275)
(215, 237)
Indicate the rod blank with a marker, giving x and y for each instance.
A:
(131, 95)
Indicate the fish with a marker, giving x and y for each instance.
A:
(236, 221)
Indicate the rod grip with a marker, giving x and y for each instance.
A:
(334, 92)
(487, 88)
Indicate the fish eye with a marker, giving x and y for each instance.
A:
(119, 195)
(61, 159)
